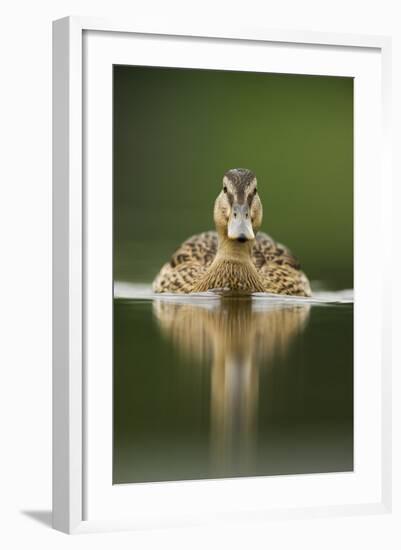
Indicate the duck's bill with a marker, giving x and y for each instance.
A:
(240, 229)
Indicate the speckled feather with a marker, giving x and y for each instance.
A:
(273, 269)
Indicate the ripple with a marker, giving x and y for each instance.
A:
(141, 291)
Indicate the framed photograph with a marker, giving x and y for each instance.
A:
(220, 325)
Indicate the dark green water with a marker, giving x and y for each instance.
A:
(231, 388)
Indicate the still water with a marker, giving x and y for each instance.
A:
(209, 386)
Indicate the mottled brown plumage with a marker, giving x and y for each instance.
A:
(232, 257)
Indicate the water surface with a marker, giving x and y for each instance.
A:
(209, 386)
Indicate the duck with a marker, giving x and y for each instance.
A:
(236, 257)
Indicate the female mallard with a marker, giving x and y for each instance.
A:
(232, 257)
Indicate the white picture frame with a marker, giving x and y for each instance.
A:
(83, 49)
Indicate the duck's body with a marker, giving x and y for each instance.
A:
(232, 257)
(196, 267)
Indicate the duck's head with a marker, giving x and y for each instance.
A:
(238, 208)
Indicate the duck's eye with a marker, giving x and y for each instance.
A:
(225, 189)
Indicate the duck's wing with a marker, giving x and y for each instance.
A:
(279, 268)
(187, 264)
(199, 249)
(267, 250)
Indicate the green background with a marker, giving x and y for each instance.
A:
(177, 131)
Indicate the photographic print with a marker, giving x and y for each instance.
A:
(233, 274)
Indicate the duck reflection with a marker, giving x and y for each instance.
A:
(236, 336)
